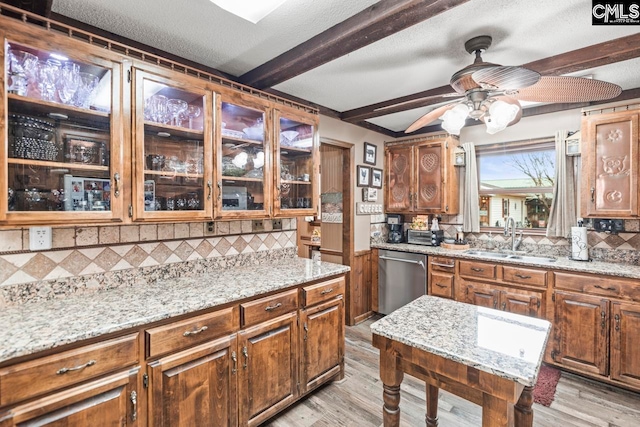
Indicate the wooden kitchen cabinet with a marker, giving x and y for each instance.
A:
(625, 343)
(268, 368)
(107, 402)
(421, 177)
(441, 277)
(610, 165)
(195, 387)
(64, 124)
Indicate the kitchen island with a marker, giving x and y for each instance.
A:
(489, 357)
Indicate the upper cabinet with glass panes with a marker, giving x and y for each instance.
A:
(64, 133)
(172, 145)
(243, 168)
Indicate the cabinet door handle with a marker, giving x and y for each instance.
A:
(245, 353)
(504, 306)
(195, 332)
(495, 303)
(134, 405)
(326, 291)
(593, 194)
(306, 331)
(617, 317)
(522, 276)
(234, 358)
(273, 307)
(210, 187)
(116, 184)
(603, 317)
(608, 288)
(75, 368)
(219, 183)
(477, 269)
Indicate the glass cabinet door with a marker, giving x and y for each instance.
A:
(244, 161)
(295, 176)
(61, 160)
(172, 149)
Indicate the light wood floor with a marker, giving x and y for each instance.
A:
(357, 400)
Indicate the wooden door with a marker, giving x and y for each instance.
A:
(195, 387)
(610, 165)
(109, 402)
(322, 343)
(625, 343)
(268, 368)
(398, 188)
(173, 157)
(527, 303)
(582, 326)
(481, 294)
(430, 167)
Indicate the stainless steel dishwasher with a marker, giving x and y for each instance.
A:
(402, 277)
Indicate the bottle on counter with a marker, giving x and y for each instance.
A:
(434, 225)
(459, 234)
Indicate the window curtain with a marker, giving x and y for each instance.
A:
(563, 214)
(471, 199)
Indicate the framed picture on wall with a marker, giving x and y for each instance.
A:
(364, 176)
(370, 153)
(376, 178)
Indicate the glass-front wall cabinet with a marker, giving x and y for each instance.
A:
(61, 160)
(243, 162)
(173, 156)
(296, 186)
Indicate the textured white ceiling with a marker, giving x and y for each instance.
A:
(419, 58)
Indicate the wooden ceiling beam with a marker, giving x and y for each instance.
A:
(376, 22)
(609, 52)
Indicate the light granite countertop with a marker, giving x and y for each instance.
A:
(562, 263)
(505, 344)
(37, 326)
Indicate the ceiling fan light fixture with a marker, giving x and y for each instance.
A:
(454, 119)
(499, 116)
(250, 10)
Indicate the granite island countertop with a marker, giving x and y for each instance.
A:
(507, 345)
(562, 263)
(32, 327)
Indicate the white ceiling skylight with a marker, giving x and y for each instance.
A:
(251, 10)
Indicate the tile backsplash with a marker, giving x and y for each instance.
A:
(95, 251)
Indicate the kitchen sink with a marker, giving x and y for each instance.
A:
(502, 255)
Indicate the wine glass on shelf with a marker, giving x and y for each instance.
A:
(176, 107)
(21, 67)
(68, 82)
(158, 108)
(86, 90)
(47, 74)
(193, 112)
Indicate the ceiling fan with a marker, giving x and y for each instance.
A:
(490, 92)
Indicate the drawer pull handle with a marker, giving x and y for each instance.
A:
(523, 276)
(235, 362)
(134, 405)
(608, 288)
(443, 265)
(273, 307)
(245, 353)
(76, 368)
(441, 285)
(326, 291)
(195, 332)
(477, 269)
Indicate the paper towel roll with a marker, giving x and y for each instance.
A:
(579, 247)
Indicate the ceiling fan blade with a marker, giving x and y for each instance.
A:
(563, 89)
(430, 117)
(419, 100)
(505, 78)
(513, 101)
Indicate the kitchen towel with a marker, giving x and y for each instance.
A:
(579, 247)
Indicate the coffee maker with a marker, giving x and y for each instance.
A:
(395, 223)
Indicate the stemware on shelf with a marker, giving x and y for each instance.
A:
(193, 112)
(21, 67)
(176, 107)
(47, 75)
(88, 83)
(68, 82)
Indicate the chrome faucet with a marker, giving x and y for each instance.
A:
(510, 223)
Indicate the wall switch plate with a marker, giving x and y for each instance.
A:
(277, 224)
(257, 225)
(39, 238)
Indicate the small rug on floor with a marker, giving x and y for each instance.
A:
(545, 389)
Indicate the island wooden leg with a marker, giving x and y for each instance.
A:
(496, 412)
(391, 378)
(432, 406)
(522, 410)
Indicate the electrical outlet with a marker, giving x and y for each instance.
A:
(257, 225)
(277, 224)
(39, 238)
(210, 226)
